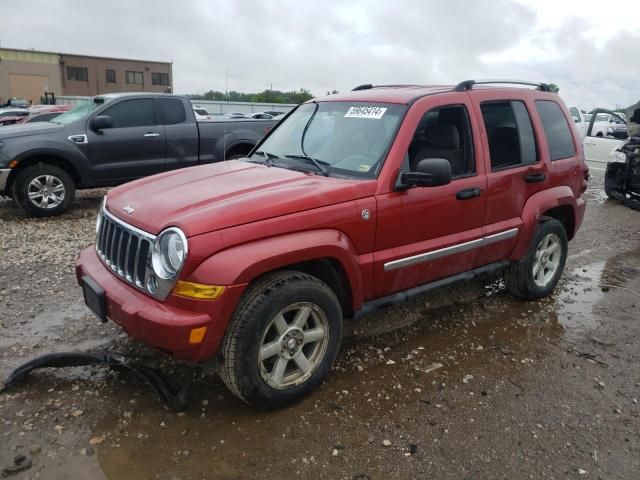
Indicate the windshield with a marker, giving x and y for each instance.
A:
(77, 112)
(346, 138)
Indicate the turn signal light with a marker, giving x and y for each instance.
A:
(197, 335)
(197, 290)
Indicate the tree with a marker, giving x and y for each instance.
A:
(553, 88)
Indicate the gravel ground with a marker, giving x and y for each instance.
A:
(465, 383)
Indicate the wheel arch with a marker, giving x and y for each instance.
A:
(557, 202)
(48, 158)
(326, 254)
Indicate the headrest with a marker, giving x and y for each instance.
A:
(444, 135)
(505, 135)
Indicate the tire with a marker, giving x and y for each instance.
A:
(612, 180)
(44, 179)
(277, 379)
(519, 277)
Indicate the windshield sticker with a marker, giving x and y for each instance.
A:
(364, 168)
(375, 113)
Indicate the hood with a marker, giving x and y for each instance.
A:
(22, 129)
(212, 197)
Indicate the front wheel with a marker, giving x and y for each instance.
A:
(43, 190)
(538, 272)
(282, 339)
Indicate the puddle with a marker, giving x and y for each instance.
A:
(580, 295)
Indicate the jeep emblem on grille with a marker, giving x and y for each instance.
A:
(129, 209)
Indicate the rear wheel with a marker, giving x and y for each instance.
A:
(537, 273)
(282, 339)
(43, 190)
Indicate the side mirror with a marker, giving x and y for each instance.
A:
(429, 172)
(100, 122)
(575, 119)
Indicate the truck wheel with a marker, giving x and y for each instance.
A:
(43, 190)
(537, 273)
(282, 339)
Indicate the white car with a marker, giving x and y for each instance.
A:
(201, 113)
(579, 119)
(607, 124)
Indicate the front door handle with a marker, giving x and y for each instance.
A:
(468, 193)
(535, 177)
(149, 135)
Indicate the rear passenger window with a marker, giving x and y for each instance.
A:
(171, 111)
(510, 134)
(445, 132)
(556, 129)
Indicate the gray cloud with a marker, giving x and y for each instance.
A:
(337, 44)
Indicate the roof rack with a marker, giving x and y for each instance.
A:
(368, 86)
(468, 84)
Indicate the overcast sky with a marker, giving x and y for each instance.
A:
(591, 49)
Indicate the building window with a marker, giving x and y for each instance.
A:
(111, 76)
(79, 74)
(135, 78)
(160, 78)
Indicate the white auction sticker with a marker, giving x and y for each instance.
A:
(375, 113)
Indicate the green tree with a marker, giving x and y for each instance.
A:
(553, 88)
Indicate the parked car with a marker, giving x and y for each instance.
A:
(110, 140)
(202, 114)
(261, 116)
(581, 123)
(610, 124)
(273, 113)
(622, 176)
(40, 117)
(44, 113)
(9, 116)
(16, 103)
(599, 148)
(353, 203)
(236, 115)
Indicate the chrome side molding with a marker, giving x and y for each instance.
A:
(443, 252)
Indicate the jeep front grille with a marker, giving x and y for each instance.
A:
(126, 250)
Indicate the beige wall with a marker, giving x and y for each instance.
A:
(25, 74)
(97, 78)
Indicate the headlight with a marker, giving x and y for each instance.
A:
(169, 253)
(617, 156)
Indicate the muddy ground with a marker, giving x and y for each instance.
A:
(468, 383)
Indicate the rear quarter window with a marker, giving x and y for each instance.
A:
(556, 129)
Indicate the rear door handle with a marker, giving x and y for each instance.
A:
(535, 177)
(468, 193)
(149, 135)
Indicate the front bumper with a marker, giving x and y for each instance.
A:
(164, 325)
(4, 177)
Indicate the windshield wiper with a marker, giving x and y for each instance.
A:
(319, 164)
(268, 157)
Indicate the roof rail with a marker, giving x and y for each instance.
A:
(366, 86)
(468, 84)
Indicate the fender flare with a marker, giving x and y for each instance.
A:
(533, 210)
(77, 162)
(243, 263)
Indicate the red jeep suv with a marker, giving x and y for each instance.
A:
(352, 203)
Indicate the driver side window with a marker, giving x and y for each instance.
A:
(445, 132)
